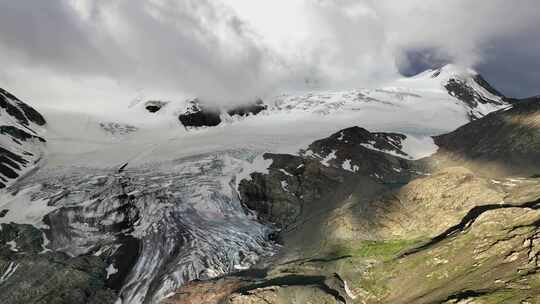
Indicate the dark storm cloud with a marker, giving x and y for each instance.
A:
(512, 64)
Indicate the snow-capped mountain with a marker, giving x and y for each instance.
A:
(159, 203)
(448, 88)
(21, 145)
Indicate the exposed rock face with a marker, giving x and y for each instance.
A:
(357, 150)
(508, 139)
(20, 144)
(474, 91)
(250, 109)
(19, 134)
(154, 106)
(469, 95)
(28, 274)
(354, 136)
(198, 114)
(20, 110)
(294, 182)
(10, 164)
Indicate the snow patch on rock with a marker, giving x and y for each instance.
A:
(111, 270)
(347, 166)
(258, 164)
(329, 157)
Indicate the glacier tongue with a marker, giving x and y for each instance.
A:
(160, 225)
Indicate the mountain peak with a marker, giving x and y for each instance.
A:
(465, 84)
(447, 71)
(456, 70)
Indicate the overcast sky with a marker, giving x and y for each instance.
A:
(97, 53)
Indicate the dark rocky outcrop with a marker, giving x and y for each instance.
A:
(197, 115)
(461, 89)
(467, 90)
(378, 155)
(354, 136)
(10, 165)
(283, 195)
(358, 150)
(153, 106)
(250, 109)
(22, 144)
(294, 182)
(18, 109)
(32, 115)
(19, 134)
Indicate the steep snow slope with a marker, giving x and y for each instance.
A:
(159, 203)
(21, 145)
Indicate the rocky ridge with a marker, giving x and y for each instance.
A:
(21, 146)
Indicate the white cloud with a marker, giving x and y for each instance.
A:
(94, 51)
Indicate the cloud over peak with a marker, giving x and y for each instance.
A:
(234, 50)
